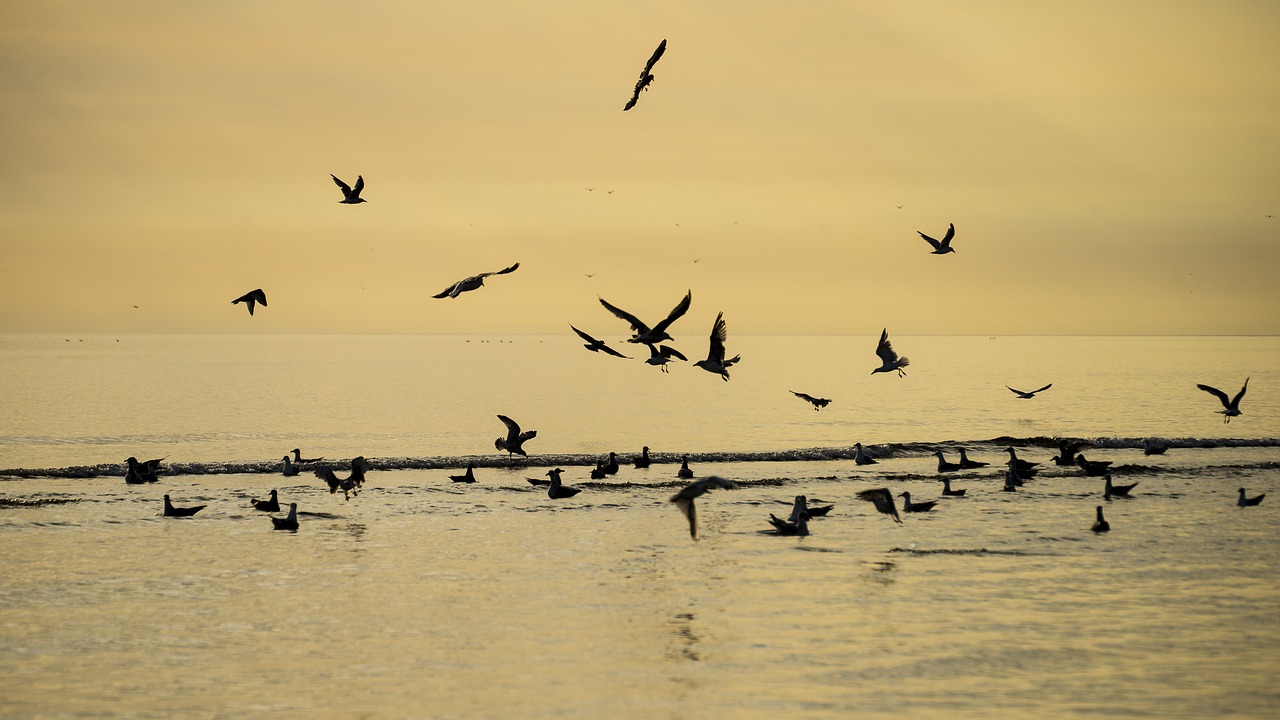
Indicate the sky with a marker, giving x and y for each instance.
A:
(1110, 167)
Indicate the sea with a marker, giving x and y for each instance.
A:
(419, 597)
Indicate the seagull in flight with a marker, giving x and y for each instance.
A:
(662, 355)
(595, 345)
(350, 196)
(818, 403)
(943, 247)
(471, 283)
(251, 298)
(514, 441)
(646, 77)
(643, 333)
(883, 500)
(684, 498)
(1028, 395)
(1231, 406)
(715, 362)
(889, 360)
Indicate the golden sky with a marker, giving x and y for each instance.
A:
(1110, 166)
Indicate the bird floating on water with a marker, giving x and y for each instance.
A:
(944, 246)
(908, 506)
(1152, 446)
(1249, 501)
(715, 362)
(1067, 450)
(472, 283)
(287, 523)
(943, 465)
(946, 488)
(595, 345)
(467, 477)
(1100, 525)
(171, 511)
(514, 442)
(289, 469)
(646, 77)
(645, 334)
(555, 490)
(297, 457)
(1231, 407)
(598, 473)
(883, 500)
(661, 355)
(1022, 468)
(1112, 490)
(801, 505)
(1028, 395)
(889, 360)
(818, 403)
(271, 504)
(611, 467)
(861, 457)
(137, 473)
(252, 298)
(642, 462)
(684, 499)
(684, 473)
(350, 196)
(967, 464)
(1092, 468)
(799, 527)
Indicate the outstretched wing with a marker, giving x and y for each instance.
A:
(653, 59)
(451, 291)
(1226, 401)
(885, 349)
(936, 245)
(610, 351)
(668, 351)
(584, 336)
(503, 271)
(803, 396)
(346, 189)
(1017, 392)
(1046, 387)
(719, 333)
(1235, 402)
(946, 239)
(359, 186)
(513, 428)
(636, 326)
(676, 312)
(883, 500)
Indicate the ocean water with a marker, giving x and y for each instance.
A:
(424, 598)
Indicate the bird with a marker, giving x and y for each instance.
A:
(1011, 481)
(643, 334)
(1092, 468)
(889, 360)
(514, 442)
(1023, 468)
(611, 467)
(646, 77)
(908, 506)
(801, 505)
(595, 345)
(598, 473)
(1100, 525)
(472, 283)
(271, 504)
(642, 462)
(860, 456)
(289, 469)
(946, 488)
(662, 355)
(800, 527)
(883, 500)
(1028, 395)
(684, 473)
(287, 523)
(1248, 501)
(171, 511)
(467, 477)
(1068, 449)
(944, 246)
(967, 464)
(556, 491)
(1111, 490)
(349, 485)
(818, 403)
(297, 457)
(350, 196)
(1152, 446)
(251, 298)
(943, 465)
(141, 472)
(684, 499)
(715, 362)
(1231, 408)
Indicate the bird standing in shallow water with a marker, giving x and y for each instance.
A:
(289, 469)
(1249, 501)
(252, 298)
(1231, 407)
(171, 511)
(514, 442)
(684, 499)
(889, 360)
(861, 457)
(350, 196)
(642, 462)
(944, 246)
(1100, 525)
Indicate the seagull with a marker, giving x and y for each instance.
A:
(946, 488)
(349, 485)
(860, 456)
(171, 511)
(350, 196)
(471, 283)
(715, 362)
(799, 527)
(684, 498)
(944, 247)
(643, 333)
(1151, 446)
(514, 441)
(599, 473)
(1248, 501)
(250, 298)
(684, 473)
(802, 506)
(297, 457)
(646, 77)
(943, 465)
(1068, 450)
(611, 467)
(1028, 395)
(1232, 406)
(141, 472)
(967, 464)
(1092, 468)
(818, 403)
(271, 504)
(883, 500)
(643, 461)
(662, 355)
(289, 468)
(908, 506)
(287, 523)
(1011, 481)
(1022, 468)
(1101, 525)
(595, 345)
(1111, 491)
(468, 477)
(556, 491)
(888, 358)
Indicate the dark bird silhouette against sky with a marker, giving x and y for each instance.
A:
(646, 77)
(472, 283)
(350, 195)
(944, 246)
(251, 298)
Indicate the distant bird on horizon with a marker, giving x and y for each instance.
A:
(1028, 395)
(287, 523)
(642, 462)
(1110, 490)
(171, 511)
(684, 499)
(472, 283)
(943, 247)
(715, 362)
(467, 477)
(684, 473)
(889, 360)
(861, 457)
(883, 500)
(271, 504)
(251, 298)
(799, 527)
(662, 355)
(297, 457)
(555, 490)
(350, 196)
(1231, 406)
(137, 473)
(967, 464)
(818, 403)
(943, 465)
(595, 345)
(1249, 501)
(646, 77)
(349, 485)
(643, 333)
(514, 442)
(1100, 525)
(908, 506)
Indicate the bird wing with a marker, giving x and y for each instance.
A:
(690, 512)
(1235, 402)
(719, 333)
(653, 59)
(1226, 401)
(503, 271)
(946, 239)
(668, 351)
(513, 428)
(346, 189)
(676, 312)
(885, 349)
(936, 245)
(527, 435)
(1046, 387)
(883, 500)
(450, 291)
(584, 336)
(803, 396)
(1015, 391)
(355, 192)
(259, 296)
(636, 326)
(606, 349)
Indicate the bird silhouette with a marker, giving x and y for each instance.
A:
(944, 246)
(595, 345)
(350, 196)
(171, 511)
(1028, 395)
(1100, 524)
(467, 477)
(883, 500)
(646, 77)
(271, 504)
(1231, 407)
(251, 298)
(287, 523)
(472, 283)
(645, 334)
(684, 499)
(514, 442)
(818, 403)
(556, 491)
(715, 362)
(889, 360)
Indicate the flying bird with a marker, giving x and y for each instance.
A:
(171, 511)
(350, 196)
(349, 485)
(684, 499)
(715, 362)
(1068, 449)
(271, 504)
(471, 283)
(595, 345)
(1028, 395)
(883, 500)
(252, 297)
(1231, 406)
(646, 77)
(818, 403)
(943, 247)
(514, 442)
(889, 360)
(555, 490)
(1249, 501)
(662, 355)
(643, 333)
(1100, 525)
(287, 523)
